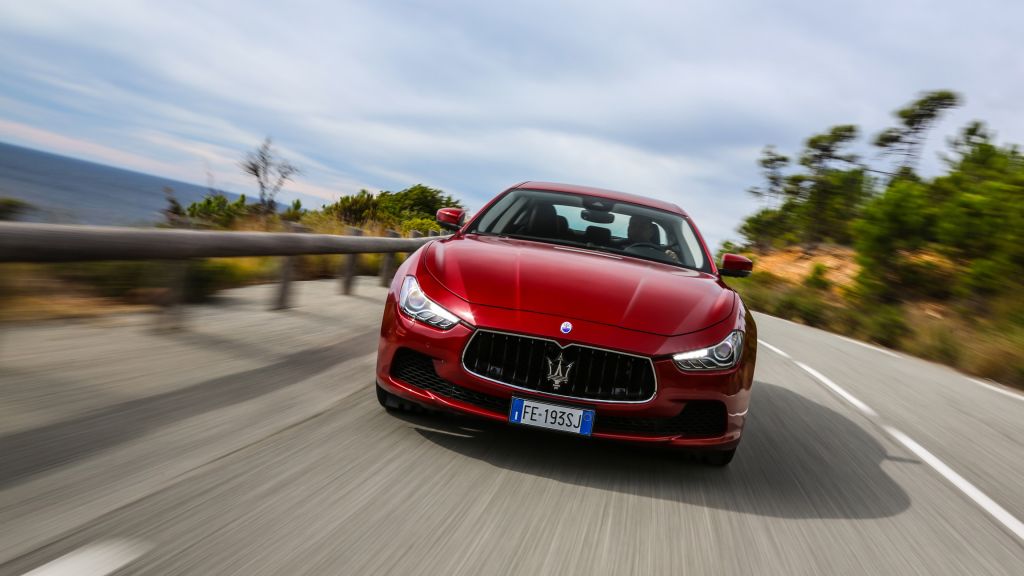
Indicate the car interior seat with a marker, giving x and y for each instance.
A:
(642, 229)
(598, 235)
(543, 222)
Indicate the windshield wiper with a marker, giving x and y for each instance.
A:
(544, 239)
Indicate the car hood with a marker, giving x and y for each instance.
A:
(573, 283)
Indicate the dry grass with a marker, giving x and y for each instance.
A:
(57, 307)
(795, 263)
(984, 339)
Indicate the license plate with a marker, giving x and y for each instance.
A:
(551, 416)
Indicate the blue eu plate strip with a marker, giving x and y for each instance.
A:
(516, 415)
(588, 422)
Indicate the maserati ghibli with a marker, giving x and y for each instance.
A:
(575, 309)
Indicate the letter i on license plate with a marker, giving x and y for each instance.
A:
(551, 416)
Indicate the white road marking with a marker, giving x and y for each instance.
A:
(96, 559)
(999, 389)
(839, 391)
(995, 510)
(869, 346)
(773, 348)
(998, 512)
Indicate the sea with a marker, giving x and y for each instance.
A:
(67, 190)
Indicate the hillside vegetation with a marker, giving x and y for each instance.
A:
(932, 266)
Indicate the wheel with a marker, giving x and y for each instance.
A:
(719, 458)
(389, 401)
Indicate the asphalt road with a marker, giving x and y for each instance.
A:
(251, 443)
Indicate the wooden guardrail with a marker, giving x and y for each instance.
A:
(22, 242)
(27, 242)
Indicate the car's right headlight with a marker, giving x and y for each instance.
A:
(415, 304)
(721, 356)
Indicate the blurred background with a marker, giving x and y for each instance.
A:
(865, 155)
(868, 163)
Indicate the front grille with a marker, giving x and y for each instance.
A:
(418, 369)
(533, 364)
(698, 419)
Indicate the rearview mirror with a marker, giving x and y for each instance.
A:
(735, 265)
(450, 218)
(597, 217)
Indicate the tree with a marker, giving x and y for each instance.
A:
(822, 151)
(215, 210)
(771, 227)
(174, 214)
(270, 172)
(391, 208)
(820, 200)
(771, 163)
(827, 196)
(355, 209)
(908, 138)
(417, 201)
(960, 233)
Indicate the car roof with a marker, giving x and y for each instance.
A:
(602, 193)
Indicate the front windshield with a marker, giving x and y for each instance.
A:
(594, 223)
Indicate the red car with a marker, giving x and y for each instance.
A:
(576, 309)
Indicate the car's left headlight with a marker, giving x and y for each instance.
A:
(721, 356)
(415, 304)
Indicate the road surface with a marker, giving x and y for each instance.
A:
(252, 443)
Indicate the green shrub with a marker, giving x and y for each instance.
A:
(817, 278)
(925, 278)
(760, 290)
(205, 278)
(368, 264)
(985, 277)
(12, 208)
(112, 279)
(804, 305)
(424, 225)
(885, 325)
(935, 342)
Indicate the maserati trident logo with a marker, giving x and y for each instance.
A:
(566, 327)
(558, 371)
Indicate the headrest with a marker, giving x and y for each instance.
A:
(598, 235)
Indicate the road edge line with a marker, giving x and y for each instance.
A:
(999, 389)
(774, 349)
(868, 346)
(835, 388)
(1000, 514)
(95, 559)
(970, 490)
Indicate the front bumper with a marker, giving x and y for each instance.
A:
(688, 409)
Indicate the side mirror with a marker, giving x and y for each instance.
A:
(450, 218)
(735, 265)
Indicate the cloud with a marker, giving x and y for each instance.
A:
(44, 139)
(670, 99)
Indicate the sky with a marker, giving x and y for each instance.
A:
(672, 100)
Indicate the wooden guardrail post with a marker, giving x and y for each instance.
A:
(284, 285)
(288, 264)
(349, 265)
(387, 262)
(172, 311)
(433, 233)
